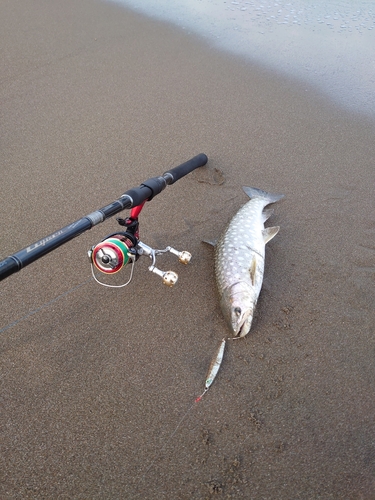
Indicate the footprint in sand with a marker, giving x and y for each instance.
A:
(213, 176)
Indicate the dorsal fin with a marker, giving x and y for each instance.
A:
(269, 233)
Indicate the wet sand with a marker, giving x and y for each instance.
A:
(98, 386)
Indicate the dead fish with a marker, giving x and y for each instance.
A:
(239, 259)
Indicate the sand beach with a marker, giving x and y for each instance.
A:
(98, 385)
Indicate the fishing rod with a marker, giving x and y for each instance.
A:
(117, 249)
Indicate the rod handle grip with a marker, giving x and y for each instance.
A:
(174, 174)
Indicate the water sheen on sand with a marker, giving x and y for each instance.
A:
(327, 44)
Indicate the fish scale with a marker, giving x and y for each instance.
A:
(239, 260)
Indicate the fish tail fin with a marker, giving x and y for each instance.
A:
(258, 193)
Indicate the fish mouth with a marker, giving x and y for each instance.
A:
(242, 327)
(244, 330)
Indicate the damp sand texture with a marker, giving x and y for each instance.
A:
(96, 99)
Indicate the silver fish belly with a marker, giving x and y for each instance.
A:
(239, 260)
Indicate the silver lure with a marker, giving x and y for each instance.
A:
(239, 259)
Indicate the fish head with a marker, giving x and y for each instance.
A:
(238, 307)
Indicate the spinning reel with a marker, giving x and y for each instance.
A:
(119, 249)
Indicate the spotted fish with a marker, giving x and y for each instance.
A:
(239, 259)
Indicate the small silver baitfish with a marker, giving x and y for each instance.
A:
(239, 259)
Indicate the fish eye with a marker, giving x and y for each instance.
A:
(237, 311)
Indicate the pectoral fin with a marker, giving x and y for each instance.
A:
(253, 270)
(210, 242)
(269, 233)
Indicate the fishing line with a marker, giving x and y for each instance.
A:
(45, 305)
(210, 377)
(169, 438)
